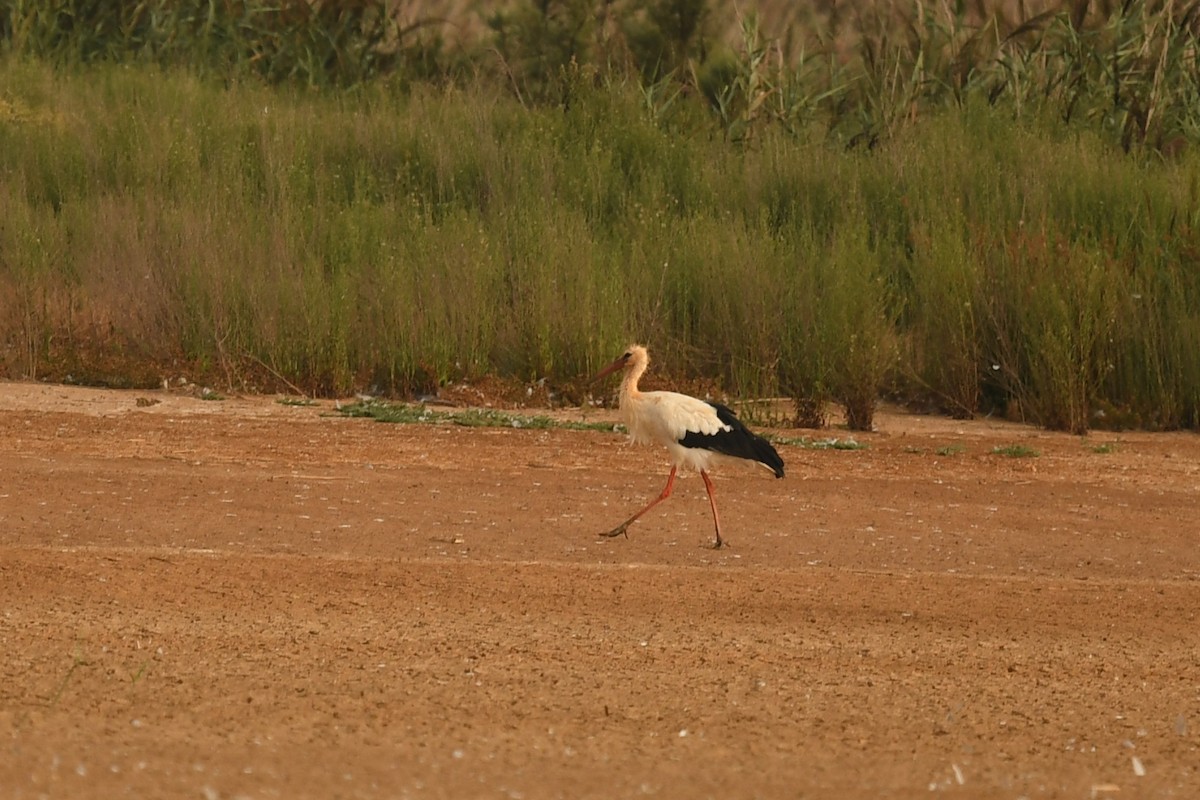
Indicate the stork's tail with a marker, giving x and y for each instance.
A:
(737, 440)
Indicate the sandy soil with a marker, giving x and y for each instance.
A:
(243, 599)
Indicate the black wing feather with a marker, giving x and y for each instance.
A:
(738, 441)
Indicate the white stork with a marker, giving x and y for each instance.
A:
(696, 433)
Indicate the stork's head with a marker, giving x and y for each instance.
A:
(634, 357)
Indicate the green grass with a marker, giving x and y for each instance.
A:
(142, 670)
(944, 213)
(407, 413)
(77, 660)
(807, 443)
(1015, 451)
(296, 401)
(944, 451)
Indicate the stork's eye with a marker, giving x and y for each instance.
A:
(627, 356)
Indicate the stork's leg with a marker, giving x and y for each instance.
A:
(712, 501)
(666, 492)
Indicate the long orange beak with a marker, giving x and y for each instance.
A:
(610, 369)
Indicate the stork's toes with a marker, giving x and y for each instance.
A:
(620, 530)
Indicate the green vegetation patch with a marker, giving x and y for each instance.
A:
(1015, 451)
(296, 401)
(833, 443)
(415, 413)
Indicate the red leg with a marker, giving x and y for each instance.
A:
(712, 501)
(666, 492)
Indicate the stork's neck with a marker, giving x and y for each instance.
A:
(629, 384)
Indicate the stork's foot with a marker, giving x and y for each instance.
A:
(718, 544)
(620, 530)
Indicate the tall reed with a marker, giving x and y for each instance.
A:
(397, 238)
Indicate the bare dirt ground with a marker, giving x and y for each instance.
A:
(242, 599)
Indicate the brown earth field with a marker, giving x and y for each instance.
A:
(241, 598)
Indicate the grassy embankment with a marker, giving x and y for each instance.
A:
(1008, 232)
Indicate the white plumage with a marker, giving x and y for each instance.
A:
(697, 434)
(666, 418)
